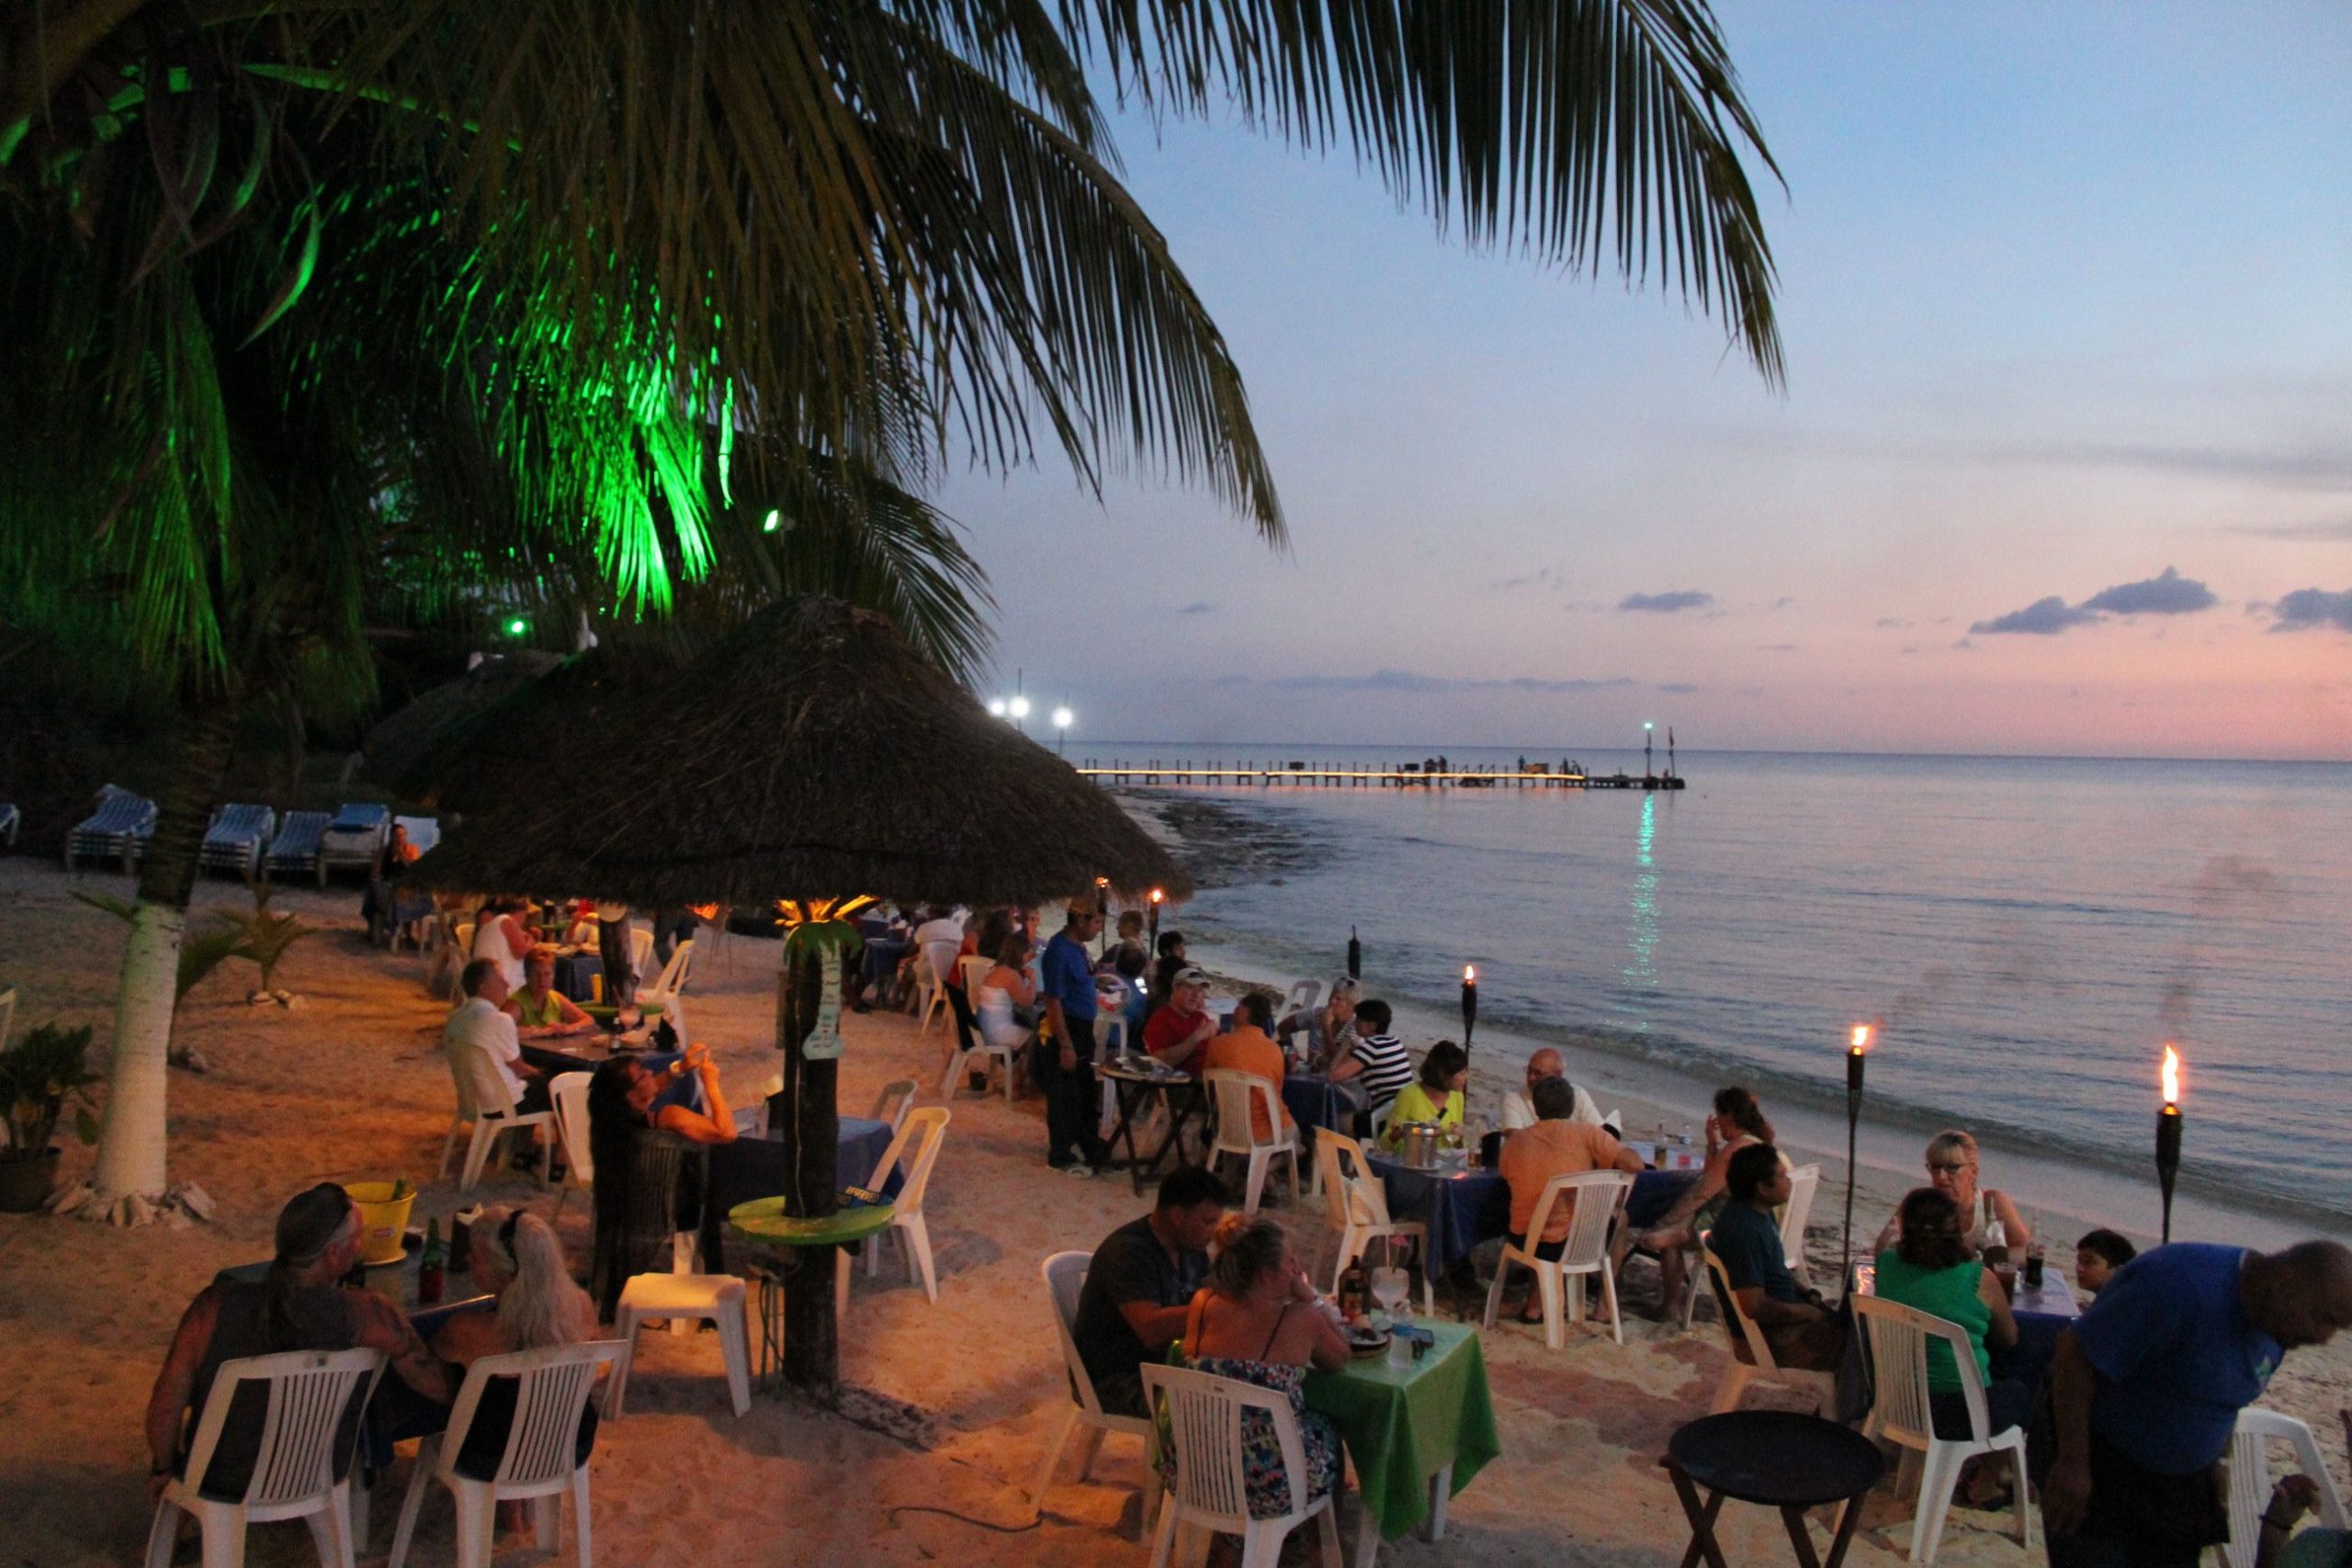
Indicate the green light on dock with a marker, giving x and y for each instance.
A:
(773, 521)
(517, 626)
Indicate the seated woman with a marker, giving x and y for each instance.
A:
(1435, 1095)
(1008, 998)
(1737, 1122)
(1952, 1169)
(1259, 1321)
(538, 1009)
(1931, 1268)
(644, 1190)
(517, 1258)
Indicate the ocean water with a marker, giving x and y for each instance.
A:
(2027, 933)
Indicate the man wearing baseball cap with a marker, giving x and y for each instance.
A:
(1178, 1033)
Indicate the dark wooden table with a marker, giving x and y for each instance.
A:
(1181, 1092)
(1779, 1459)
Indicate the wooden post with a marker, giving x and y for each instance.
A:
(811, 1137)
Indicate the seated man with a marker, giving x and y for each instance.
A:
(297, 1307)
(1178, 1033)
(1139, 1283)
(538, 1009)
(1556, 1144)
(1518, 1110)
(1248, 1048)
(1376, 1066)
(478, 1023)
(1803, 1331)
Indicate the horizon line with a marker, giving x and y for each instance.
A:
(1434, 748)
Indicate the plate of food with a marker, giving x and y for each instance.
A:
(1363, 1339)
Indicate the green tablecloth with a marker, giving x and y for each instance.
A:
(1404, 1424)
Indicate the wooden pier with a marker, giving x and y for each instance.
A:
(1291, 774)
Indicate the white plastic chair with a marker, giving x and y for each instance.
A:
(979, 1057)
(1804, 1182)
(1211, 1490)
(294, 1473)
(1901, 1413)
(569, 1093)
(540, 1461)
(1237, 1130)
(751, 1121)
(484, 1100)
(892, 1103)
(2249, 1472)
(1598, 1196)
(970, 970)
(1065, 1274)
(679, 1299)
(926, 1128)
(1304, 996)
(1751, 1353)
(933, 991)
(667, 985)
(1356, 1205)
(1380, 1115)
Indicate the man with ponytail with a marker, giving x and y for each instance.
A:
(295, 1306)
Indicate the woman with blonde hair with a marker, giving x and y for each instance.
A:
(518, 1259)
(1953, 1167)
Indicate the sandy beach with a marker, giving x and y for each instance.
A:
(351, 1085)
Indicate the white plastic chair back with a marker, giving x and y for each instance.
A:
(1899, 1337)
(1236, 1128)
(674, 974)
(569, 1094)
(1380, 1120)
(1351, 1194)
(926, 1128)
(2249, 1472)
(553, 1388)
(481, 1090)
(970, 970)
(1205, 1434)
(1065, 1275)
(640, 948)
(1804, 1182)
(465, 943)
(1597, 1195)
(890, 1105)
(1111, 1034)
(309, 1392)
(1304, 994)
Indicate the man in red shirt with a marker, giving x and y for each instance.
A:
(1176, 1034)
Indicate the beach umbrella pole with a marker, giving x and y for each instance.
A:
(811, 1133)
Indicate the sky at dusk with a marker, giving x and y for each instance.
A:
(2063, 463)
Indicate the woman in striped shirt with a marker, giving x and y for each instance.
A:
(1377, 1063)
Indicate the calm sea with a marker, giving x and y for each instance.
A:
(2028, 931)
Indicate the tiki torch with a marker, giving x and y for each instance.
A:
(1469, 1002)
(1856, 1050)
(1159, 897)
(2168, 1135)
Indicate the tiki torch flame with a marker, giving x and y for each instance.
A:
(1469, 974)
(1861, 1038)
(2172, 1076)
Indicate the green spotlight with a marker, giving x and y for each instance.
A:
(773, 521)
(517, 626)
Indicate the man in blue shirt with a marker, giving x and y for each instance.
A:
(2147, 1386)
(1064, 1064)
(1746, 1239)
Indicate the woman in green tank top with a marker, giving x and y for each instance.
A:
(539, 1010)
(1930, 1268)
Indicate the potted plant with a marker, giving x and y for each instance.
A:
(39, 1075)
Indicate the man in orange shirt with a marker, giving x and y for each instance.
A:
(1246, 1047)
(1555, 1146)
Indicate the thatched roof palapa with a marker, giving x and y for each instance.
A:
(811, 753)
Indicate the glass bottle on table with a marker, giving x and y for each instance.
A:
(432, 1267)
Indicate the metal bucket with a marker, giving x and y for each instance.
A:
(1416, 1146)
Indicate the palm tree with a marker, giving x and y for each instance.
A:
(501, 293)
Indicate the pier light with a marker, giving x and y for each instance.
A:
(1019, 707)
(1062, 717)
(996, 707)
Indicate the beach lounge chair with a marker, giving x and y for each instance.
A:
(1065, 1277)
(423, 832)
(355, 837)
(540, 1460)
(237, 839)
(297, 1474)
(1598, 1196)
(118, 830)
(11, 819)
(295, 848)
(1900, 1414)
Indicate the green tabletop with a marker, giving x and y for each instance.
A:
(1403, 1425)
(763, 1219)
(605, 1012)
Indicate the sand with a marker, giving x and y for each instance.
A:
(351, 1085)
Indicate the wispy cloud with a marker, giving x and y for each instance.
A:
(1198, 608)
(1679, 688)
(2302, 467)
(2307, 608)
(1668, 601)
(1891, 623)
(1546, 578)
(2336, 533)
(1410, 681)
(1779, 648)
(2166, 593)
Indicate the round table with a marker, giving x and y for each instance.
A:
(1780, 1459)
(763, 1220)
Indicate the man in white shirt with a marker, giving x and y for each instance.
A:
(478, 1024)
(940, 939)
(1518, 1110)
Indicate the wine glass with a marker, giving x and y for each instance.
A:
(1392, 1291)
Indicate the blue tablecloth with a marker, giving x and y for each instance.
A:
(575, 976)
(1313, 1102)
(1461, 1210)
(684, 1089)
(754, 1167)
(1655, 1193)
(882, 956)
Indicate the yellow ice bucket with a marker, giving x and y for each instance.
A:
(383, 1219)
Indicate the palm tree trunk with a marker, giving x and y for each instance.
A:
(811, 1134)
(131, 1145)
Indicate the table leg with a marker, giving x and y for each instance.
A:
(1178, 1113)
(1130, 1097)
(1794, 1516)
(1852, 1513)
(1703, 1521)
(1440, 1490)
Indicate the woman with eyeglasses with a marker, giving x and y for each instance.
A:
(1954, 1170)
